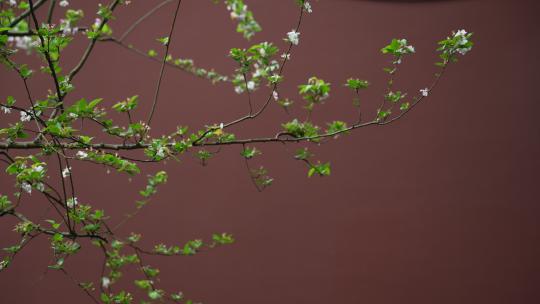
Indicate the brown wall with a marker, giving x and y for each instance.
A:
(441, 207)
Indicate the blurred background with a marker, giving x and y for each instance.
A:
(440, 207)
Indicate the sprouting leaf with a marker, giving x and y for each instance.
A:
(356, 84)
(250, 152)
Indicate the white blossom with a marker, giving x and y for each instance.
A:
(275, 95)
(40, 187)
(25, 116)
(424, 92)
(221, 126)
(66, 172)
(293, 37)
(6, 110)
(105, 282)
(24, 43)
(238, 89)
(251, 85)
(39, 168)
(26, 187)
(274, 65)
(460, 33)
(307, 7)
(65, 26)
(257, 73)
(82, 154)
(286, 56)
(64, 3)
(238, 10)
(12, 2)
(160, 152)
(72, 202)
(462, 42)
(463, 51)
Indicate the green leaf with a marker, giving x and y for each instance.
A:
(315, 91)
(151, 272)
(223, 238)
(320, 169)
(25, 71)
(301, 129)
(156, 294)
(404, 106)
(143, 284)
(303, 154)
(250, 152)
(336, 127)
(356, 84)
(164, 40)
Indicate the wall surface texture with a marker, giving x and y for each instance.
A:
(440, 207)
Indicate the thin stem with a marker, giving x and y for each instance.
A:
(188, 69)
(80, 285)
(50, 13)
(45, 52)
(248, 94)
(162, 70)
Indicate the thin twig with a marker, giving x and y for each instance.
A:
(91, 45)
(162, 70)
(142, 18)
(26, 13)
(50, 13)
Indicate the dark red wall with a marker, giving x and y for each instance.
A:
(440, 207)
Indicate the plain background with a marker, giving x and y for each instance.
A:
(440, 207)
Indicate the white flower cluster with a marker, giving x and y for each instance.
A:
(307, 7)
(462, 45)
(66, 172)
(105, 282)
(257, 76)
(67, 29)
(63, 3)
(424, 92)
(404, 48)
(6, 110)
(26, 43)
(293, 37)
(238, 10)
(26, 187)
(12, 2)
(25, 117)
(72, 202)
(81, 154)
(160, 152)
